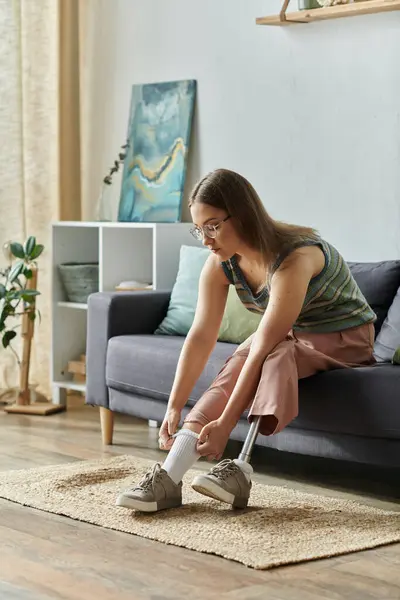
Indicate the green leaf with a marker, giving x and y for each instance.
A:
(8, 310)
(16, 271)
(27, 293)
(29, 298)
(28, 273)
(30, 245)
(31, 315)
(14, 294)
(3, 291)
(3, 316)
(7, 337)
(37, 251)
(17, 250)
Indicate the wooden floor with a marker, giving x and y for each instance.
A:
(48, 557)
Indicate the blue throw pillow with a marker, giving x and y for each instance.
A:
(182, 305)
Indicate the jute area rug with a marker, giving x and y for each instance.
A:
(280, 526)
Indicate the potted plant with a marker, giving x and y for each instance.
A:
(17, 294)
(18, 312)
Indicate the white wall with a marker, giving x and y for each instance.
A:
(309, 113)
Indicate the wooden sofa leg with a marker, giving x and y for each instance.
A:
(107, 425)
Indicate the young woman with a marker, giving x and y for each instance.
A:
(315, 318)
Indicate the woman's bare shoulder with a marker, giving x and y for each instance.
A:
(214, 271)
(307, 257)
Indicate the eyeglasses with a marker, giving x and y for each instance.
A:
(209, 231)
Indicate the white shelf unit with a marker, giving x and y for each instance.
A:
(79, 305)
(146, 252)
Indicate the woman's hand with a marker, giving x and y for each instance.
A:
(213, 439)
(168, 428)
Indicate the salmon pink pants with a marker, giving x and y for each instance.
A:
(299, 355)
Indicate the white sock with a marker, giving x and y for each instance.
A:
(245, 467)
(182, 455)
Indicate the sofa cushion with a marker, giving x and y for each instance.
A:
(363, 401)
(146, 364)
(379, 283)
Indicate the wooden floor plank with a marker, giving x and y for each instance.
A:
(45, 556)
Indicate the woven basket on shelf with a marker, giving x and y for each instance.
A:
(79, 280)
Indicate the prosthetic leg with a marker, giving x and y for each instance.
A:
(249, 442)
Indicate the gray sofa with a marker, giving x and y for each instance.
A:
(348, 414)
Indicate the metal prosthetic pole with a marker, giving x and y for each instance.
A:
(250, 440)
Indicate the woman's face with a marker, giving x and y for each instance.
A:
(217, 230)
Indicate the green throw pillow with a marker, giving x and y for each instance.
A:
(237, 323)
(396, 357)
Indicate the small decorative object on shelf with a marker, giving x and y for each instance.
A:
(133, 286)
(79, 280)
(307, 4)
(326, 3)
(18, 299)
(104, 204)
(105, 200)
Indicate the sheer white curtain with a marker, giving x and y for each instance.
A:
(40, 160)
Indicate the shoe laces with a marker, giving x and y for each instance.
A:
(224, 469)
(149, 479)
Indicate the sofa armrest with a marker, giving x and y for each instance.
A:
(111, 314)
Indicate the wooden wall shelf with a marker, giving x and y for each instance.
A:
(332, 12)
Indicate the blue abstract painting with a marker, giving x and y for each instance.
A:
(159, 128)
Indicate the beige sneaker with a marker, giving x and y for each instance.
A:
(156, 491)
(225, 482)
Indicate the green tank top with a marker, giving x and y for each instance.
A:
(333, 302)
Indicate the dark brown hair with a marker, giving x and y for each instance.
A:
(229, 191)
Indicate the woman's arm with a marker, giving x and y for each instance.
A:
(203, 335)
